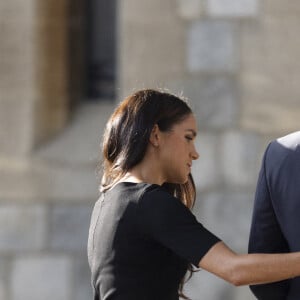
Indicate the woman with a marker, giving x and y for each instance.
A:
(143, 237)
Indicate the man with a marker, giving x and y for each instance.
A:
(276, 215)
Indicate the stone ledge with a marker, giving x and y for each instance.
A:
(42, 182)
(233, 8)
(22, 228)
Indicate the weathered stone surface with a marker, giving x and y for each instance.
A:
(143, 11)
(70, 184)
(33, 60)
(16, 81)
(16, 77)
(22, 227)
(82, 279)
(80, 142)
(41, 277)
(279, 8)
(212, 46)
(56, 168)
(269, 82)
(15, 125)
(153, 40)
(45, 182)
(34, 75)
(69, 225)
(53, 174)
(17, 10)
(149, 62)
(190, 9)
(52, 78)
(213, 100)
(240, 158)
(16, 181)
(232, 8)
(4, 280)
(220, 212)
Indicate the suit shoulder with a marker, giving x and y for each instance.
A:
(283, 149)
(290, 141)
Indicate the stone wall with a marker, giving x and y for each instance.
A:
(45, 206)
(237, 62)
(33, 73)
(46, 190)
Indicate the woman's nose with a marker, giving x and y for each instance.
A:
(195, 154)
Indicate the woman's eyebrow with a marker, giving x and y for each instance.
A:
(194, 133)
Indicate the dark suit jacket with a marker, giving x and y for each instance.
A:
(276, 215)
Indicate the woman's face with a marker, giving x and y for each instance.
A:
(177, 150)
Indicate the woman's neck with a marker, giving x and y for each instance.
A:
(144, 173)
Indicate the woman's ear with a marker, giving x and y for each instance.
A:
(154, 136)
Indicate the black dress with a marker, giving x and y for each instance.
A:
(141, 241)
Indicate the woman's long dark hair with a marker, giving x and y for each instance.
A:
(127, 135)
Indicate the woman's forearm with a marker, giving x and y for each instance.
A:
(245, 269)
(264, 268)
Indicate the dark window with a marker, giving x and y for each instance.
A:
(101, 49)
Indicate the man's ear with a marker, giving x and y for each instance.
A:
(155, 136)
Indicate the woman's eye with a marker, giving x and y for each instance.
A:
(189, 138)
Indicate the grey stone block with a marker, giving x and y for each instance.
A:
(232, 8)
(212, 46)
(72, 184)
(69, 227)
(148, 62)
(22, 227)
(216, 103)
(82, 279)
(281, 9)
(17, 181)
(43, 277)
(240, 158)
(17, 10)
(49, 182)
(213, 99)
(4, 272)
(37, 106)
(15, 121)
(17, 54)
(270, 79)
(227, 214)
(190, 9)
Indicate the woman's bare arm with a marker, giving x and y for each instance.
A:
(245, 269)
